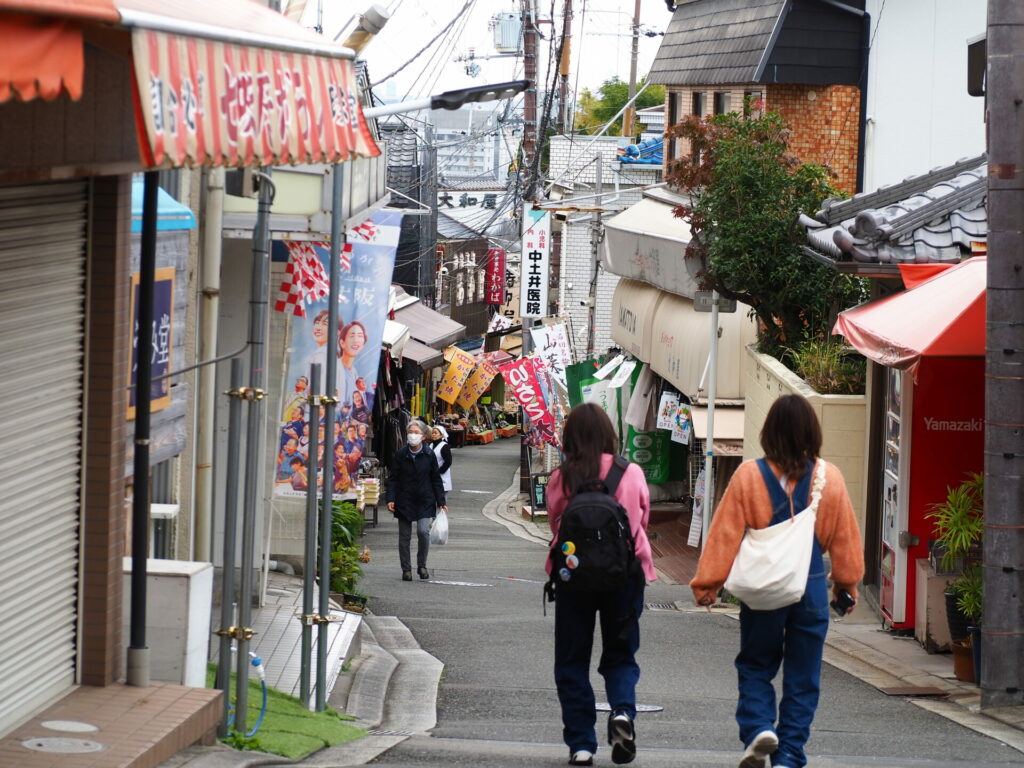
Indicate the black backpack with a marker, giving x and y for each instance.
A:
(595, 551)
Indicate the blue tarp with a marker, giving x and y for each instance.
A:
(645, 153)
(170, 214)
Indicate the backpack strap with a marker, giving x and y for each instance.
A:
(611, 481)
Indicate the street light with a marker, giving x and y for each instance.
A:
(452, 99)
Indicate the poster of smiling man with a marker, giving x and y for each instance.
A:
(367, 263)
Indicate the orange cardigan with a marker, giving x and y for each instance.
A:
(746, 504)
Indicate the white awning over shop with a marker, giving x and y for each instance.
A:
(395, 337)
(681, 342)
(728, 428)
(646, 242)
(633, 307)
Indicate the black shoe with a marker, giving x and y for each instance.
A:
(423, 572)
(406, 575)
(622, 737)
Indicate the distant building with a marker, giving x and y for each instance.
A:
(471, 145)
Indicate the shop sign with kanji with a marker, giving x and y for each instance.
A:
(459, 368)
(533, 295)
(163, 314)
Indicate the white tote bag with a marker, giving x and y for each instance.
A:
(770, 570)
(439, 528)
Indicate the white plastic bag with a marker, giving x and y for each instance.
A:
(770, 570)
(439, 528)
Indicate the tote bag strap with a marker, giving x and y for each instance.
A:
(806, 494)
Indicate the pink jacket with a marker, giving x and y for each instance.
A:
(632, 495)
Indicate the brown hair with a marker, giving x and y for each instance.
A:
(588, 434)
(791, 435)
(344, 331)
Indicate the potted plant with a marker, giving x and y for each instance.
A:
(959, 526)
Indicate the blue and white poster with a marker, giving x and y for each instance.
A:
(367, 263)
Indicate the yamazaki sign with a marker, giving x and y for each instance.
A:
(522, 380)
(204, 102)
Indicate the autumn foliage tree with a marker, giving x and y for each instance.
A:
(746, 194)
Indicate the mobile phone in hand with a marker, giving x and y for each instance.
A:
(843, 603)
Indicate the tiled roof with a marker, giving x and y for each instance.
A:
(716, 41)
(932, 218)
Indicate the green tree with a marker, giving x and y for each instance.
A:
(594, 110)
(746, 194)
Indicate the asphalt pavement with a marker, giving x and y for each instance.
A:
(481, 615)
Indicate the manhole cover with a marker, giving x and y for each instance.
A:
(661, 606)
(70, 726)
(459, 583)
(62, 745)
(604, 706)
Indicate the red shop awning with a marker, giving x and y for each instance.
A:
(943, 316)
(262, 91)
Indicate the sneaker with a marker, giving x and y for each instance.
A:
(423, 572)
(581, 757)
(761, 746)
(406, 575)
(622, 737)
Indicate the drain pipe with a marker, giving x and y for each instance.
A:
(210, 306)
(253, 432)
(138, 653)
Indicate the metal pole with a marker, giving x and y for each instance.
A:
(331, 391)
(595, 243)
(563, 66)
(253, 443)
(709, 443)
(530, 138)
(227, 599)
(309, 563)
(138, 653)
(627, 120)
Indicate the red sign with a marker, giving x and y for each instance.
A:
(495, 276)
(204, 102)
(522, 380)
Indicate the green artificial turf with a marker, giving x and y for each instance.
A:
(288, 729)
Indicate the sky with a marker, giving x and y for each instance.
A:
(600, 42)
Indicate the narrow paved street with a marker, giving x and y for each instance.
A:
(481, 615)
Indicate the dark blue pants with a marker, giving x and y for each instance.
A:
(575, 618)
(794, 638)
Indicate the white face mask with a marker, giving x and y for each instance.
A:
(414, 438)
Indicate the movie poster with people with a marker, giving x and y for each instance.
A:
(353, 347)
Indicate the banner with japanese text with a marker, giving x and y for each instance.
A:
(536, 262)
(460, 366)
(208, 102)
(163, 315)
(551, 343)
(353, 347)
(522, 383)
(477, 383)
(495, 276)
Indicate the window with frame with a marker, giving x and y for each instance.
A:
(699, 105)
(751, 100)
(721, 102)
(673, 120)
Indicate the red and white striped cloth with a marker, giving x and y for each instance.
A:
(306, 279)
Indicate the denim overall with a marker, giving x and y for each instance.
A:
(793, 636)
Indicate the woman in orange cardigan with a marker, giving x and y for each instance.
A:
(762, 493)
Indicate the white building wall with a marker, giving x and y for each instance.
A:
(920, 115)
(574, 166)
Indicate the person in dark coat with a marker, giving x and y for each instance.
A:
(414, 495)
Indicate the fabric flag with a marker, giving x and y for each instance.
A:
(459, 369)
(522, 381)
(306, 281)
(476, 384)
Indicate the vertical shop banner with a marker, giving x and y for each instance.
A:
(551, 343)
(495, 276)
(536, 262)
(460, 366)
(477, 383)
(163, 311)
(522, 382)
(353, 347)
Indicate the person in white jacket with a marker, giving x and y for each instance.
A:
(439, 442)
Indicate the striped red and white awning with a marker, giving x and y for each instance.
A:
(203, 101)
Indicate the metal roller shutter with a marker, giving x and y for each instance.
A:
(42, 292)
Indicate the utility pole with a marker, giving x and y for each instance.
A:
(563, 66)
(1002, 673)
(627, 119)
(530, 96)
(596, 235)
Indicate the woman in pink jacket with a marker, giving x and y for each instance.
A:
(589, 447)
